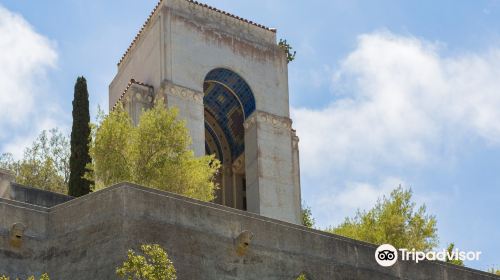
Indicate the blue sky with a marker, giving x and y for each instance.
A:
(382, 93)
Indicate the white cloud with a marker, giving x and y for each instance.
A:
(407, 105)
(25, 57)
(400, 104)
(19, 140)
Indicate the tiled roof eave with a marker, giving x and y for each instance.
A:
(132, 82)
(137, 36)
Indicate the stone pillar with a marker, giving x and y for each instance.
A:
(252, 167)
(137, 98)
(272, 187)
(6, 178)
(190, 105)
(296, 175)
(238, 170)
(227, 176)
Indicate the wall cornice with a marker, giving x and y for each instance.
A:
(268, 118)
(170, 89)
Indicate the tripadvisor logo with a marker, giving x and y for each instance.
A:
(386, 255)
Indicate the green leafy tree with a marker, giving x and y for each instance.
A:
(307, 218)
(8, 162)
(450, 249)
(45, 164)
(285, 46)
(155, 153)
(153, 264)
(494, 271)
(80, 137)
(393, 220)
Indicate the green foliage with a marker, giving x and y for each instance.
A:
(8, 162)
(494, 271)
(290, 56)
(45, 164)
(156, 153)
(302, 276)
(44, 276)
(109, 149)
(80, 138)
(154, 264)
(307, 218)
(393, 220)
(450, 249)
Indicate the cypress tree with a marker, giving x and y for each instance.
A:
(80, 137)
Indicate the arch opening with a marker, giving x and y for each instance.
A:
(228, 101)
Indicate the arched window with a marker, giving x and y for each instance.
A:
(228, 101)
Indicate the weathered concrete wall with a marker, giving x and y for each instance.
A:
(144, 65)
(6, 177)
(201, 40)
(28, 259)
(184, 41)
(86, 238)
(190, 109)
(31, 195)
(272, 191)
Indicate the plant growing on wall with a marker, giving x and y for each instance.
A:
(153, 264)
(307, 218)
(302, 276)
(80, 138)
(290, 55)
(44, 276)
(156, 153)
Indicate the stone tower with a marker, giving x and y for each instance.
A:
(229, 80)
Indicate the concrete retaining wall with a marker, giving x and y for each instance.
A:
(31, 195)
(87, 238)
